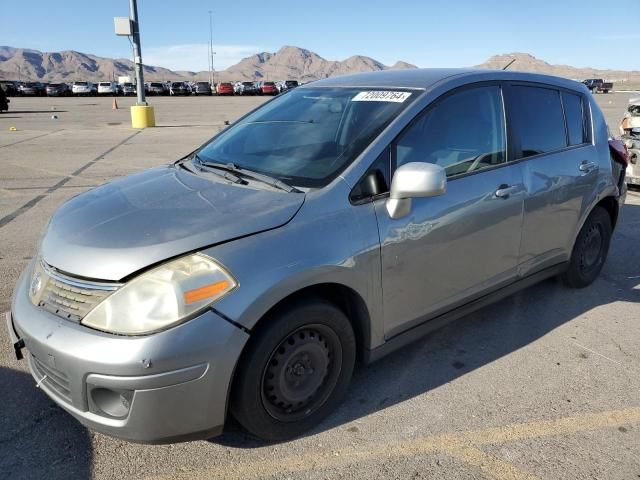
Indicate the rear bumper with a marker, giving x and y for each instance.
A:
(165, 387)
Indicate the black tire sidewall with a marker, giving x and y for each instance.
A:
(246, 401)
(575, 277)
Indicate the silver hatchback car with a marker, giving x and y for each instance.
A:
(340, 220)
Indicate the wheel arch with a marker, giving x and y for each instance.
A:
(345, 298)
(610, 204)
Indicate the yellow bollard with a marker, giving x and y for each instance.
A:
(142, 116)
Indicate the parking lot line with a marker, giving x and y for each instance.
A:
(462, 445)
(24, 140)
(34, 201)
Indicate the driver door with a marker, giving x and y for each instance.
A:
(452, 248)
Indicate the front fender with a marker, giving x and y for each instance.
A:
(321, 245)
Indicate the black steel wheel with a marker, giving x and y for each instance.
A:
(294, 371)
(301, 373)
(590, 250)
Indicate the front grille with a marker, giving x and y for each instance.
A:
(53, 378)
(68, 301)
(69, 297)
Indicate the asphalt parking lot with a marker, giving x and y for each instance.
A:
(544, 384)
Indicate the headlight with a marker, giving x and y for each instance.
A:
(162, 297)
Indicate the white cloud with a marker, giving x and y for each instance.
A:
(194, 56)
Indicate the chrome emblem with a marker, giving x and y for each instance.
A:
(36, 284)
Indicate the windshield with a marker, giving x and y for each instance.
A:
(81, 84)
(176, 84)
(308, 136)
(156, 85)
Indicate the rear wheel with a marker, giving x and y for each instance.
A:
(295, 371)
(590, 250)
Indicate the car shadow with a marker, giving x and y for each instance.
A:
(480, 338)
(37, 438)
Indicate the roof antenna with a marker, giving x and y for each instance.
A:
(509, 64)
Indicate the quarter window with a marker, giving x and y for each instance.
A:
(463, 133)
(537, 119)
(575, 118)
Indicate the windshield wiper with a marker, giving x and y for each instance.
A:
(244, 172)
(227, 175)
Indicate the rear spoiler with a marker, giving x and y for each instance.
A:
(619, 152)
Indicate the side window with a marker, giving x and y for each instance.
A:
(537, 119)
(575, 118)
(463, 132)
(376, 181)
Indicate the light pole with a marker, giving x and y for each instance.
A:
(211, 52)
(137, 52)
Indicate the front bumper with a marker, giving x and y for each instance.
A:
(164, 387)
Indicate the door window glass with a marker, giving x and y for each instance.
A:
(575, 118)
(462, 133)
(537, 119)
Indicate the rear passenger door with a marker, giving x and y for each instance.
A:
(550, 133)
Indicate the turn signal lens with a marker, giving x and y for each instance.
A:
(208, 291)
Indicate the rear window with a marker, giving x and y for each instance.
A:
(82, 84)
(269, 84)
(574, 113)
(247, 84)
(537, 119)
(158, 85)
(104, 84)
(176, 84)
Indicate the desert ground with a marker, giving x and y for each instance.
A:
(544, 384)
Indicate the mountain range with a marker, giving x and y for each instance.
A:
(287, 63)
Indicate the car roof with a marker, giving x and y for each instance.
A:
(425, 78)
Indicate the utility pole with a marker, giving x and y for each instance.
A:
(137, 52)
(211, 52)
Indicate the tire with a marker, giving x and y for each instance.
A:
(295, 371)
(590, 250)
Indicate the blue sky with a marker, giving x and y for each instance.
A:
(426, 33)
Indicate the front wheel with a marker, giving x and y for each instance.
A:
(295, 371)
(590, 250)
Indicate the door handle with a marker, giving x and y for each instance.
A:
(504, 191)
(586, 166)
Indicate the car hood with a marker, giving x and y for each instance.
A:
(114, 230)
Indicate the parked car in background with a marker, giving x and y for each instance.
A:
(248, 277)
(598, 85)
(4, 101)
(32, 89)
(268, 88)
(247, 88)
(58, 90)
(225, 88)
(83, 88)
(107, 88)
(287, 85)
(129, 89)
(202, 88)
(180, 88)
(630, 130)
(10, 88)
(157, 88)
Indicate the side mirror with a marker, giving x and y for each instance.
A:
(413, 180)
